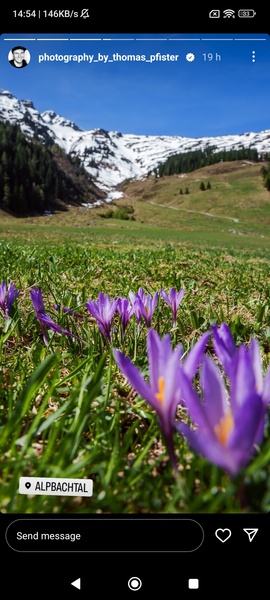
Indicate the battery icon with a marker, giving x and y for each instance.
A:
(246, 13)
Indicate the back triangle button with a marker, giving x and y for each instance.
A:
(77, 583)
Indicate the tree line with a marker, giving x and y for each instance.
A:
(265, 171)
(187, 162)
(35, 176)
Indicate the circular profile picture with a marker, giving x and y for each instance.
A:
(19, 57)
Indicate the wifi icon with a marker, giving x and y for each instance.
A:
(228, 13)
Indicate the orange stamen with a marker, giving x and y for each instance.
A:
(161, 389)
(224, 427)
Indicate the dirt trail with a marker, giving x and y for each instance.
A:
(197, 212)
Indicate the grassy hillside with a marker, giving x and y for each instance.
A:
(234, 211)
(236, 192)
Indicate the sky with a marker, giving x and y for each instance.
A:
(89, 80)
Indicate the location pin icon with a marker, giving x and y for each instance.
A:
(28, 485)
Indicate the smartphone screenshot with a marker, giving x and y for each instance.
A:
(134, 302)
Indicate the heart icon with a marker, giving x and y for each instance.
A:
(223, 534)
(28, 485)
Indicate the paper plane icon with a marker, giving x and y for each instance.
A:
(251, 533)
(77, 583)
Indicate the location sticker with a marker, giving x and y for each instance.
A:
(52, 486)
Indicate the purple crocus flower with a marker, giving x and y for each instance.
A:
(147, 308)
(7, 297)
(103, 311)
(163, 392)
(262, 382)
(140, 293)
(144, 305)
(226, 351)
(136, 307)
(173, 300)
(45, 321)
(125, 310)
(224, 346)
(228, 422)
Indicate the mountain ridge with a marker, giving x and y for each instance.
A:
(111, 157)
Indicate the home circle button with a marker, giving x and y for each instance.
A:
(134, 584)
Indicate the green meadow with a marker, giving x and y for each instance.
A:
(65, 408)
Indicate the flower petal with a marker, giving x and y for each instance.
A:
(224, 345)
(192, 402)
(254, 351)
(266, 388)
(243, 382)
(37, 300)
(3, 295)
(214, 391)
(195, 354)
(134, 377)
(209, 447)
(248, 424)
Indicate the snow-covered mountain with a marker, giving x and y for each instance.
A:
(110, 157)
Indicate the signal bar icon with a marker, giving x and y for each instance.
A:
(251, 533)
